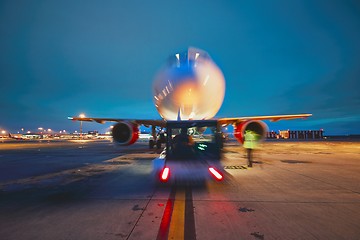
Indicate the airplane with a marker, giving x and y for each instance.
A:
(190, 86)
(16, 137)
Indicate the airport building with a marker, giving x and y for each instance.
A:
(296, 134)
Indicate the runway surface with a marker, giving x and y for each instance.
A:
(95, 190)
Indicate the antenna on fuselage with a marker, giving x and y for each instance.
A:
(178, 116)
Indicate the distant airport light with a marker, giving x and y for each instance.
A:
(215, 173)
(3, 131)
(49, 129)
(81, 116)
(165, 174)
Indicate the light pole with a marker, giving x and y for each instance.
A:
(81, 116)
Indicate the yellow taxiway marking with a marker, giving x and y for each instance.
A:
(176, 230)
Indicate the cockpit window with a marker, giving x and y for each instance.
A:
(189, 57)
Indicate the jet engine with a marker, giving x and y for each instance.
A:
(258, 127)
(125, 133)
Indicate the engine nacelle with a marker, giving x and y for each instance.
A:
(258, 127)
(125, 133)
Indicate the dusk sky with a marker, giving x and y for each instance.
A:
(63, 58)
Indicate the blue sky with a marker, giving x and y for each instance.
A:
(61, 58)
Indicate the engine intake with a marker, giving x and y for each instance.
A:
(258, 127)
(125, 133)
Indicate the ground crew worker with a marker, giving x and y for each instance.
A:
(183, 144)
(250, 142)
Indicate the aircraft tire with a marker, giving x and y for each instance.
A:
(151, 144)
(158, 144)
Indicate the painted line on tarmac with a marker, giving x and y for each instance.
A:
(178, 220)
(236, 167)
(166, 219)
(177, 224)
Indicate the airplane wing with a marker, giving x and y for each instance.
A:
(162, 123)
(145, 122)
(130, 139)
(274, 118)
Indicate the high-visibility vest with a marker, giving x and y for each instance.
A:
(250, 140)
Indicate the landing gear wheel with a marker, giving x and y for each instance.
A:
(158, 144)
(151, 144)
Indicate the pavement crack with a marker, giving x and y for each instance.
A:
(244, 209)
(257, 235)
(137, 208)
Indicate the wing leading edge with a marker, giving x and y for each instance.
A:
(273, 118)
(145, 122)
(222, 121)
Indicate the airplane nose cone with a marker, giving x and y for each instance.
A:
(192, 85)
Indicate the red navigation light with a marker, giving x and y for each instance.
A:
(215, 173)
(165, 174)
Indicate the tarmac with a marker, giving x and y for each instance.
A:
(97, 190)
